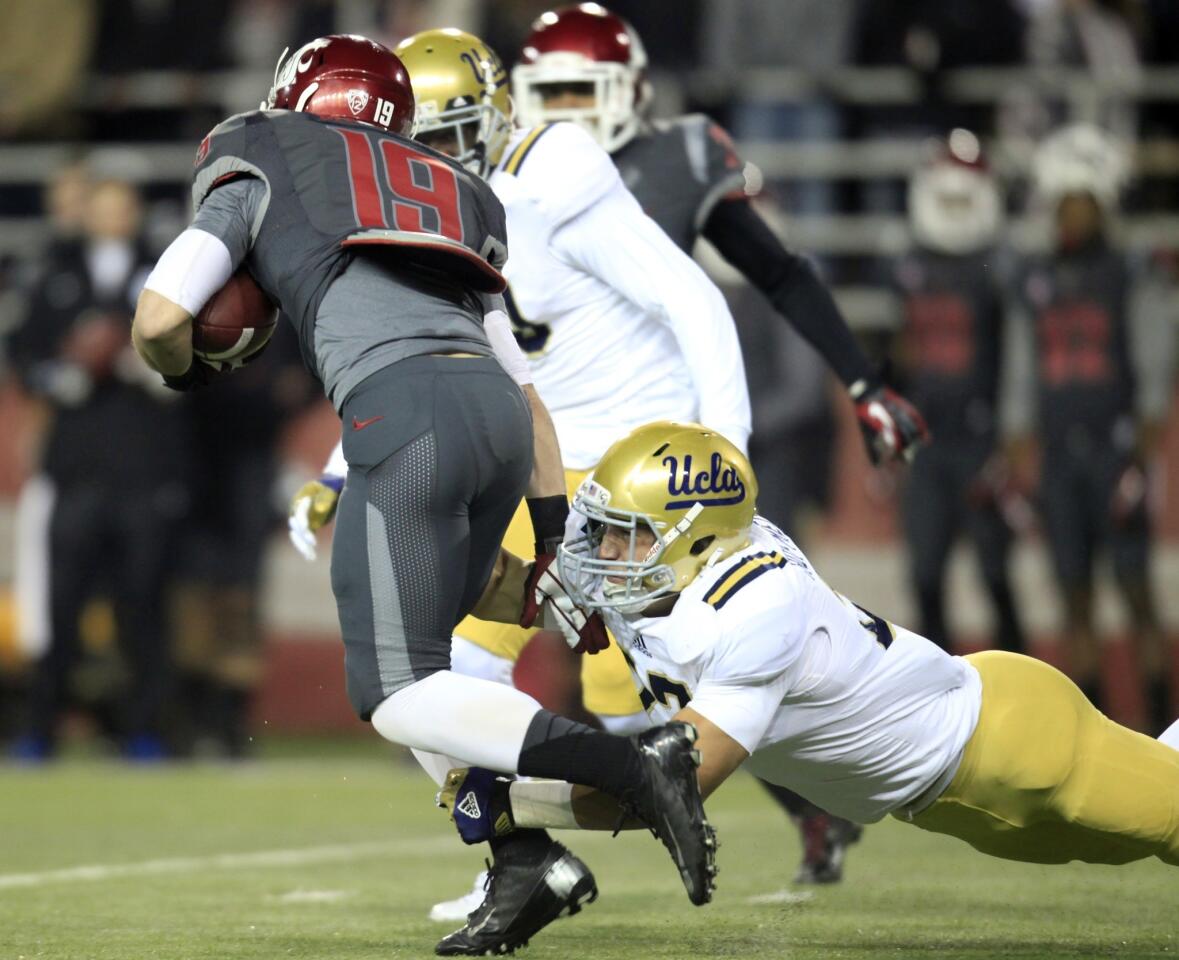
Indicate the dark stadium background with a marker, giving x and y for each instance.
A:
(132, 85)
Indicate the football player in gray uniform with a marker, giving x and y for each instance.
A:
(386, 256)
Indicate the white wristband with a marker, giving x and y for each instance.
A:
(193, 268)
(507, 350)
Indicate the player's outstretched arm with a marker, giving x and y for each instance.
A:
(893, 428)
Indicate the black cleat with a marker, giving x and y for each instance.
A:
(521, 900)
(667, 800)
(825, 839)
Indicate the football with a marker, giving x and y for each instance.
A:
(235, 324)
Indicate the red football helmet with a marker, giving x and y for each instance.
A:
(588, 51)
(345, 77)
(954, 202)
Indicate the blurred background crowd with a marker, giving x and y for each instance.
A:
(147, 597)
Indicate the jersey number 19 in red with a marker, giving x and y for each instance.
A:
(424, 190)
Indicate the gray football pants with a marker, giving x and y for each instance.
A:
(439, 453)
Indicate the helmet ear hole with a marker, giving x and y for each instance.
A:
(701, 545)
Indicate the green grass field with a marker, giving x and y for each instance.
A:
(338, 853)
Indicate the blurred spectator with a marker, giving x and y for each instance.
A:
(158, 35)
(930, 37)
(161, 35)
(38, 79)
(65, 198)
(1095, 365)
(952, 303)
(1102, 37)
(217, 624)
(116, 455)
(739, 34)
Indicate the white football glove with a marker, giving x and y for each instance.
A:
(584, 633)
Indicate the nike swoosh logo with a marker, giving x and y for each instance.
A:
(361, 424)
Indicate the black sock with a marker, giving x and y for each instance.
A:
(560, 749)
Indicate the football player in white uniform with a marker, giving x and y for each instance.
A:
(728, 626)
(584, 64)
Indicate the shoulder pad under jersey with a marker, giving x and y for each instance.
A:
(711, 153)
(560, 168)
(224, 154)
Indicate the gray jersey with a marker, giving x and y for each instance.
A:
(679, 170)
(377, 248)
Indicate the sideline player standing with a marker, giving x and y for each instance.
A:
(730, 628)
(384, 253)
(1091, 360)
(952, 303)
(584, 64)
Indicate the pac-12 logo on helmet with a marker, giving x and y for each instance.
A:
(345, 77)
(684, 483)
(592, 54)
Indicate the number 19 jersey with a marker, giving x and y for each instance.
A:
(376, 247)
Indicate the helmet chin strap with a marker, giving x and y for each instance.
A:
(679, 529)
(268, 103)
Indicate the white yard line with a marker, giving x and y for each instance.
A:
(230, 861)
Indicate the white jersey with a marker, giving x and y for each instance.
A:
(621, 327)
(860, 717)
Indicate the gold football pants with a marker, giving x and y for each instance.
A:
(607, 687)
(1047, 778)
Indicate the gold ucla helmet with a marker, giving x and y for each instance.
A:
(461, 89)
(687, 484)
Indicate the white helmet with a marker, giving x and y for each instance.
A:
(954, 201)
(1081, 158)
(588, 46)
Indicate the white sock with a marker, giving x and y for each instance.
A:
(1170, 736)
(477, 722)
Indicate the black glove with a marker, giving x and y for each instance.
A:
(199, 374)
(893, 428)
